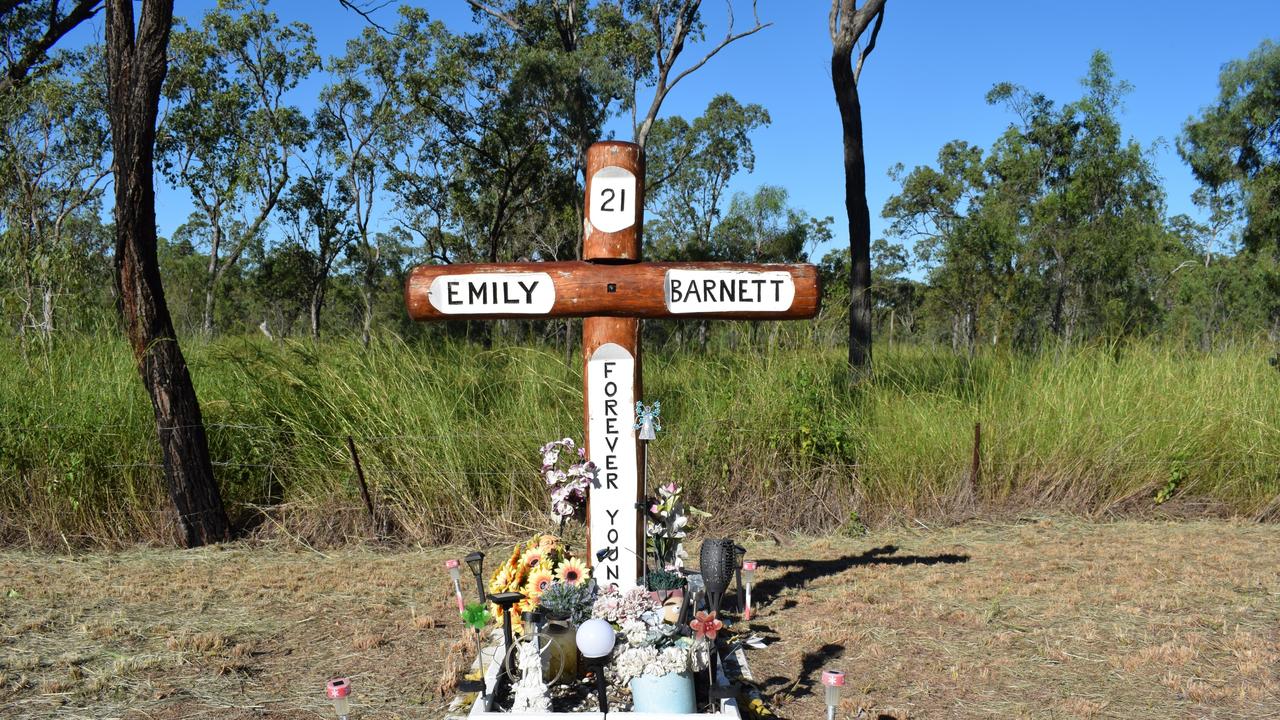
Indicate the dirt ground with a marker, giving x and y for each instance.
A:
(1044, 618)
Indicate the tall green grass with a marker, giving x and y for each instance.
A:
(448, 435)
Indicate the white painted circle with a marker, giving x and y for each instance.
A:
(613, 199)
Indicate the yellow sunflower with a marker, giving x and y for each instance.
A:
(538, 581)
(573, 571)
(533, 557)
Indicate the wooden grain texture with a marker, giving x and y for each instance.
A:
(625, 244)
(623, 331)
(582, 290)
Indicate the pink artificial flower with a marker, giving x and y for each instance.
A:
(705, 625)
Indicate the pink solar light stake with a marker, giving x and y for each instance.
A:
(337, 690)
(748, 573)
(455, 573)
(833, 680)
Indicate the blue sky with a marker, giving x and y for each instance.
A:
(923, 85)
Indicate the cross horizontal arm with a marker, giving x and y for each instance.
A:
(584, 289)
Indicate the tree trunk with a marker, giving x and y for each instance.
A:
(317, 302)
(847, 26)
(136, 70)
(366, 325)
(47, 324)
(212, 275)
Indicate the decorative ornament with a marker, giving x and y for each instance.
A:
(530, 692)
(647, 421)
(705, 625)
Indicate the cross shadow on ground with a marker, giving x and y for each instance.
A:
(811, 663)
(805, 571)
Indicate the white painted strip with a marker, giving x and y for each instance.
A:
(612, 205)
(531, 293)
(611, 406)
(713, 291)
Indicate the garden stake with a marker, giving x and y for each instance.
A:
(337, 690)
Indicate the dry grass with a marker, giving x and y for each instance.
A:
(1051, 618)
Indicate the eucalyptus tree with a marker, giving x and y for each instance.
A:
(846, 24)
(763, 227)
(229, 136)
(316, 213)
(1058, 230)
(603, 58)
(1097, 215)
(416, 163)
(937, 211)
(53, 152)
(688, 169)
(1233, 148)
(359, 123)
(136, 65)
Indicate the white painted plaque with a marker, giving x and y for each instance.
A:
(611, 406)
(712, 291)
(613, 199)
(530, 293)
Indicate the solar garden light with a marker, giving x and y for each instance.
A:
(748, 574)
(833, 680)
(505, 601)
(337, 690)
(475, 561)
(533, 620)
(595, 641)
(455, 572)
(717, 560)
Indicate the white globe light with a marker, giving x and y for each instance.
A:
(595, 638)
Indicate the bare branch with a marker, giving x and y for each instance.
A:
(366, 11)
(681, 31)
(504, 18)
(871, 45)
(723, 43)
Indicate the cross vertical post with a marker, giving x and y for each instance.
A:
(612, 382)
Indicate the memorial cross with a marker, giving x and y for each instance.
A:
(611, 289)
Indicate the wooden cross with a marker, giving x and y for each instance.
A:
(611, 290)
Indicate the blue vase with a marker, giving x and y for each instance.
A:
(671, 693)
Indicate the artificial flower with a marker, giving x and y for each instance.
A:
(705, 625)
(538, 581)
(533, 558)
(573, 571)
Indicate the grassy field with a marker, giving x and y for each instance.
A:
(449, 434)
(1043, 618)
